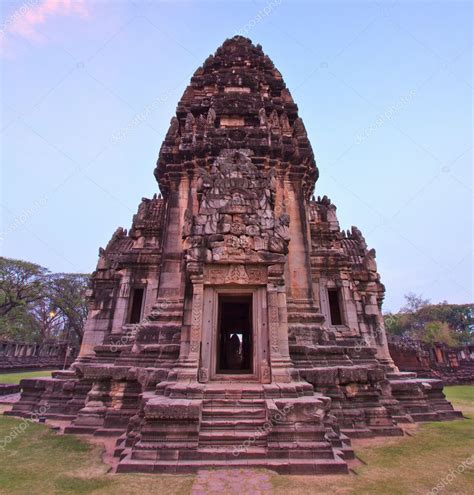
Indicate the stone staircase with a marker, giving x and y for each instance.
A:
(232, 422)
(234, 430)
(422, 398)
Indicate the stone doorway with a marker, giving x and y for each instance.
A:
(235, 335)
(229, 310)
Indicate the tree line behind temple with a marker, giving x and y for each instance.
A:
(37, 305)
(451, 324)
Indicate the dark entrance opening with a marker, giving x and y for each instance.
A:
(235, 344)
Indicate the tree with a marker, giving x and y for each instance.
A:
(20, 325)
(21, 283)
(437, 331)
(68, 297)
(452, 324)
(413, 303)
(48, 322)
(396, 324)
(36, 305)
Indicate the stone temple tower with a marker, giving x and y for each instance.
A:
(235, 323)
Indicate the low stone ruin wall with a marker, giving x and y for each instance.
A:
(453, 365)
(25, 356)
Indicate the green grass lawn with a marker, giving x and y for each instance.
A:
(462, 396)
(16, 377)
(41, 462)
(408, 465)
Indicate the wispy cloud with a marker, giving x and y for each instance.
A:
(26, 20)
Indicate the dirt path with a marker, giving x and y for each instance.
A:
(232, 482)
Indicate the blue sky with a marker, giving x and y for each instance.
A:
(385, 90)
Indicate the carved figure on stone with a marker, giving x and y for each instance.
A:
(237, 202)
(211, 117)
(188, 223)
(189, 124)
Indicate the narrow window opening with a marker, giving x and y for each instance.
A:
(136, 305)
(335, 307)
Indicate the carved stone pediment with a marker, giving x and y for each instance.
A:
(236, 219)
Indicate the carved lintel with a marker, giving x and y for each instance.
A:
(235, 274)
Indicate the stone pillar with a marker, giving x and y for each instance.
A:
(281, 365)
(299, 281)
(121, 308)
(196, 320)
(188, 363)
(171, 285)
(383, 352)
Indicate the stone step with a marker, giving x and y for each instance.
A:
(248, 403)
(167, 316)
(401, 375)
(427, 416)
(222, 392)
(80, 430)
(406, 419)
(108, 432)
(345, 452)
(387, 431)
(232, 437)
(216, 424)
(163, 326)
(449, 415)
(164, 305)
(282, 466)
(219, 453)
(234, 412)
(357, 432)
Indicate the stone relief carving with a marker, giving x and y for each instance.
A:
(196, 322)
(266, 372)
(203, 375)
(236, 220)
(235, 274)
(125, 290)
(273, 320)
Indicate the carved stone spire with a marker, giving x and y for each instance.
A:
(243, 99)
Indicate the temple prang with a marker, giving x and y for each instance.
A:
(235, 323)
